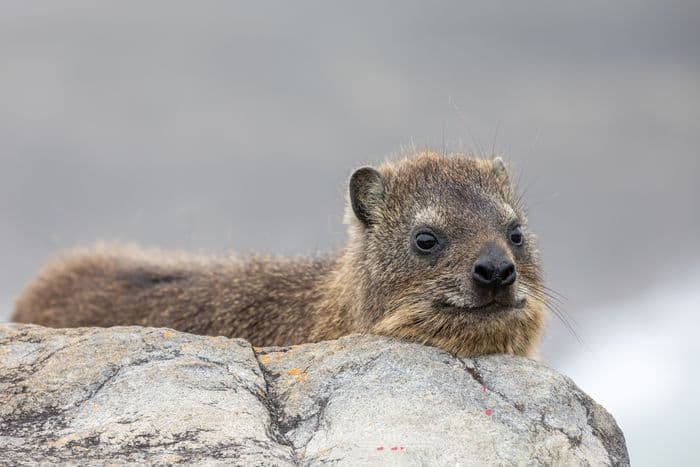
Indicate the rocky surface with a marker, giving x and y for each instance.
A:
(130, 394)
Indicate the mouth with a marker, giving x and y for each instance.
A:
(491, 308)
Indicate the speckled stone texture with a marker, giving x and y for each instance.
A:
(141, 395)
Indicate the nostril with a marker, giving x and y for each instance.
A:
(484, 273)
(507, 274)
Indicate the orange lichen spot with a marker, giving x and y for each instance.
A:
(265, 359)
(298, 374)
(256, 349)
(167, 334)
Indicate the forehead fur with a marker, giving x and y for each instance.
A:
(432, 182)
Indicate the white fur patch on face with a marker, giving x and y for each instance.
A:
(456, 299)
(509, 211)
(429, 216)
(505, 210)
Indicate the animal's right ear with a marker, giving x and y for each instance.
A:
(367, 189)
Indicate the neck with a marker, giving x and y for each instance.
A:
(338, 310)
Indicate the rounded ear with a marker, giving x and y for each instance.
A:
(500, 168)
(367, 189)
(501, 171)
(502, 175)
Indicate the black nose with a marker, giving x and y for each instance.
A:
(494, 270)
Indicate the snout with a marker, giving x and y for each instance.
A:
(494, 270)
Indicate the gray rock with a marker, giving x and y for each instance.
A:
(130, 394)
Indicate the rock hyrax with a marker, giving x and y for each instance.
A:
(439, 252)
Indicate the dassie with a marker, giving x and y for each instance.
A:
(439, 252)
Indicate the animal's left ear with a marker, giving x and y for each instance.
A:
(502, 174)
(500, 167)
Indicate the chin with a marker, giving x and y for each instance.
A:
(481, 311)
(468, 331)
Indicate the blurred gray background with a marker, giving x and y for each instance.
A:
(227, 125)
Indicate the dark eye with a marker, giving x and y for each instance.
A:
(425, 242)
(516, 236)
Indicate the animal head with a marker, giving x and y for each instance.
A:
(445, 255)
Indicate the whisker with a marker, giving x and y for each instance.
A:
(552, 291)
(552, 298)
(558, 299)
(553, 304)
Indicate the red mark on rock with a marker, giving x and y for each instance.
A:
(380, 448)
(395, 448)
(483, 388)
(489, 411)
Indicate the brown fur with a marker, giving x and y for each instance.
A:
(377, 284)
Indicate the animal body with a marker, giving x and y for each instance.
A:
(439, 252)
